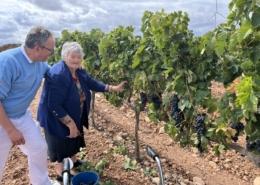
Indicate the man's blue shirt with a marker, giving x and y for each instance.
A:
(20, 79)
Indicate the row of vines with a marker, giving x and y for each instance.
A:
(170, 70)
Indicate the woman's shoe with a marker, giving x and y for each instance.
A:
(59, 178)
(78, 163)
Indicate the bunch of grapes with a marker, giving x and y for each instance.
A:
(96, 66)
(239, 127)
(253, 145)
(200, 124)
(144, 99)
(176, 113)
(156, 101)
(200, 129)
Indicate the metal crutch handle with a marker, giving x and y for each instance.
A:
(151, 152)
(67, 166)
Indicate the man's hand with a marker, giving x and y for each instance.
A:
(13, 133)
(16, 137)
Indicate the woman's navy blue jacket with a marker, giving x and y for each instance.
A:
(60, 97)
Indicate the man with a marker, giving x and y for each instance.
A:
(21, 73)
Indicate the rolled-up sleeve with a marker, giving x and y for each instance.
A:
(56, 95)
(6, 76)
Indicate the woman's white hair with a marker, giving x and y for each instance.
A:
(69, 47)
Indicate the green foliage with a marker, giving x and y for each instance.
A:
(150, 172)
(246, 97)
(130, 164)
(253, 128)
(171, 130)
(220, 133)
(115, 99)
(219, 149)
(168, 59)
(117, 50)
(86, 166)
(92, 59)
(101, 165)
(121, 150)
(203, 141)
(152, 112)
(82, 153)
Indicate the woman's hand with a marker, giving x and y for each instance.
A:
(117, 88)
(74, 132)
(69, 122)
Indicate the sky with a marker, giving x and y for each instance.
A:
(18, 16)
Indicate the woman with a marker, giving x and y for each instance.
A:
(65, 103)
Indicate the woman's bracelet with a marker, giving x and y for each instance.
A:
(110, 88)
(107, 88)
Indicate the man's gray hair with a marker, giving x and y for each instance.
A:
(69, 47)
(37, 36)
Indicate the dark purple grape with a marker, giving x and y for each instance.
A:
(257, 141)
(178, 118)
(199, 124)
(144, 99)
(176, 113)
(156, 101)
(175, 102)
(250, 145)
(239, 127)
(200, 129)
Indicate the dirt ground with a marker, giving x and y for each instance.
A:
(183, 166)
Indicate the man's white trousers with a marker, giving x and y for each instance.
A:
(35, 149)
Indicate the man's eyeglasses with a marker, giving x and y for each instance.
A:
(50, 50)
